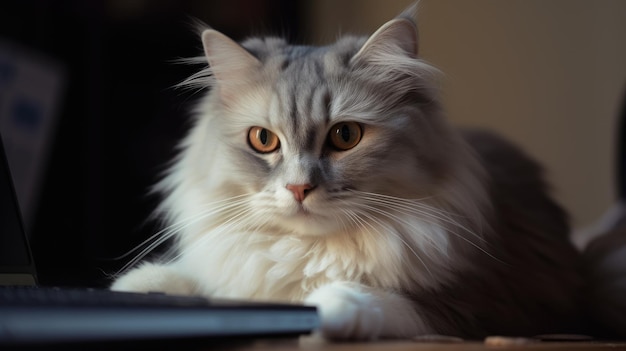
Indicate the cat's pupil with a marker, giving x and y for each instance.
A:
(345, 133)
(263, 136)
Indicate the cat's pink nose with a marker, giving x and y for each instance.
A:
(300, 191)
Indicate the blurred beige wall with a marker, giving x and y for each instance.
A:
(547, 74)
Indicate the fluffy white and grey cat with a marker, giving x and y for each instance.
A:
(327, 175)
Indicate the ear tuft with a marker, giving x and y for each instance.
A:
(229, 62)
(397, 37)
(410, 12)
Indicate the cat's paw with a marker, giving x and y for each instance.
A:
(347, 312)
(150, 277)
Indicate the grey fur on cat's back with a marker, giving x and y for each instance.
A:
(538, 287)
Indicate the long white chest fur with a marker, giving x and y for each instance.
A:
(288, 268)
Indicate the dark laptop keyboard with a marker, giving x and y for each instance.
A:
(60, 297)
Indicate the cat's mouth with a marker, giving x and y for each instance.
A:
(305, 220)
(303, 211)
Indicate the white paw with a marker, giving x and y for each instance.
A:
(150, 277)
(346, 312)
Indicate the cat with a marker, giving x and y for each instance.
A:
(329, 176)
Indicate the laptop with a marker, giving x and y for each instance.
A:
(33, 315)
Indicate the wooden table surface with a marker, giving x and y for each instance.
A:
(409, 345)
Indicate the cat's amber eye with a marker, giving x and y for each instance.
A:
(345, 135)
(262, 140)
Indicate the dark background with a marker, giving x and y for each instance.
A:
(119, 117)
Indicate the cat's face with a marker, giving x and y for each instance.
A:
(314, 135)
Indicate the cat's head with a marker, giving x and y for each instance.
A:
(311, 134)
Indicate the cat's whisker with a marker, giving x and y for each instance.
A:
(362, 223)
(349, 217)
(165, 234)
(143, 253)
(446, 219)
(402, 220)
(357, 221)
(196, 246)
(463, 237)
(366, 227)
(396, 235)
(467, 240)
(169, 228)
(339, 218)
(227, 225)
(257, 221)
(415, 207)
(389, 203)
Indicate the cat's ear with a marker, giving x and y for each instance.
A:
(397, 37)
(230, 64)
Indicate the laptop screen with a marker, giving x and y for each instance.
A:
(16, 266)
